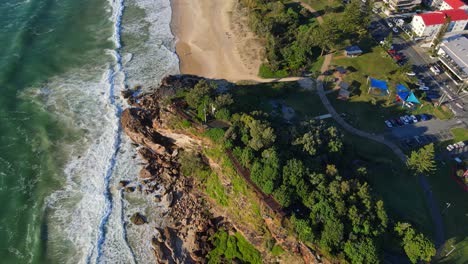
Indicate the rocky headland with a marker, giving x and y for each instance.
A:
(189, 222)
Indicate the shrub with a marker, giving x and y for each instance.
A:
(215, 134)
(265, 72)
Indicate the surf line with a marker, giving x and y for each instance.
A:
(118, 6)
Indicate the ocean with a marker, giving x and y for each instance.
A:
(63, 64)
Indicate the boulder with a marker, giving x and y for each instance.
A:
(138, 219)
(129, 189)
(123, 183)
(145, 174)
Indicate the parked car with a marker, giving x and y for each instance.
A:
(415, 120)
(450, 147)
(394, 123)
(409, 119)
(391, 51)
(425, 117)
(388, 123)
(435, 69)
(411, 74)
(395, 30)
(404, 120)
(423, 88)
(398, 121)
(397, 57)
(389, 24)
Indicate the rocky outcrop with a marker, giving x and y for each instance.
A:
(138, 219)
(189, 225)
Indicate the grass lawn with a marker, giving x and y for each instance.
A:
(455, 217)
(459, 134)
(306, 103)
(400, 191)
(366, 111)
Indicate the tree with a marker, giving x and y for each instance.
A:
(361, 251)
(417, 247)
(388, 41)
(405, 68)
(422, 161)
(440, 35)
(293, 171)
(200, 94)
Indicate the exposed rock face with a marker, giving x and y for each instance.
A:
(138, 219)
(185, 238)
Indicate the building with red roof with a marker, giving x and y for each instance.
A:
(428, 24)
(453, 4)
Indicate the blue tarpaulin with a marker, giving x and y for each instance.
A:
(401, 88)
(403, 95)
(374, 83)
(411, 98)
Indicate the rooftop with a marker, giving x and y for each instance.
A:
(457, 50)
(455, 3)
(436, 18)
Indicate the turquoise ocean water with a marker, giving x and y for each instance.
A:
(63, 64)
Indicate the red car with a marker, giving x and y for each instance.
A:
(397, 57)
(392, 51)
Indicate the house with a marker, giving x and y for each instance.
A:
(453, 4)
(403, 5)
(454, 55)
(428, 24)
(352, 51)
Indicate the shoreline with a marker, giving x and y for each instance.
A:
(208, 46)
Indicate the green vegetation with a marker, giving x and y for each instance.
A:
(277, 250)
(316, 174)
(422, 161)
(417, 247)
(366, 111)
(293, 38)
(193, 165)
(232, 247)
(446, 190)
(459, 134)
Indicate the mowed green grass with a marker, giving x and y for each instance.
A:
(306, 103)
(455, 217)
(366, 111)
(390, 180)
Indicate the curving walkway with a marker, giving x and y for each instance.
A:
(435, 212)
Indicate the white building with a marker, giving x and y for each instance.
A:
(428, 24)
(402, 5)
(454, 55)
(453, 4)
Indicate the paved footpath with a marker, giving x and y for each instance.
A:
(435, 212)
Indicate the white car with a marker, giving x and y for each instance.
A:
(435, 70)
(389, 24)
(423, 88)
(404, 120)
(388, 124)
(449, 147)
(395, 30)
(415, 120)
(411, 74)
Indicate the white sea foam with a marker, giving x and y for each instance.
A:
(88, 218)
(151, 43)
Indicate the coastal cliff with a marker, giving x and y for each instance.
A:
(192, 218)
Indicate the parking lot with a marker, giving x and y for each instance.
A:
(415, 135)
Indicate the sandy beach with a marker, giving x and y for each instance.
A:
(211, 44)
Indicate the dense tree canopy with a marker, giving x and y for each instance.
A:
(422, 161)
(416, 246)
